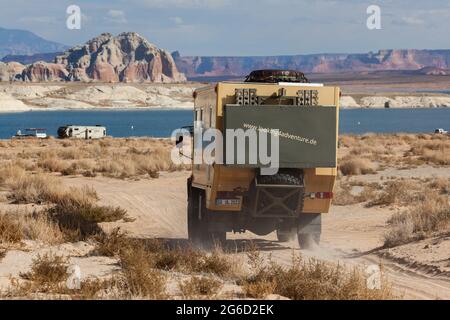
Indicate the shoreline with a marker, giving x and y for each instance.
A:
(106, 109)
(126, 109)
(61, 97)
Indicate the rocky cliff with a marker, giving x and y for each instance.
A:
(198, 67)
(127, 57)
(11, 71)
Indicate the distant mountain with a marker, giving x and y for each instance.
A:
(198, 67)
(26, 59)
(21, 42)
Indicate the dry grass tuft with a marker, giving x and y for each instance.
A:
(311, 280)
(435, 150)
(398, 192)
(140, 276)
(11, 171)
(18, 226)
(200, 288)
(47, 271)
(110, 245)
(165, 257)
(356, 166)
(431, 214)
(39, 226)
(10, 229)
(78, 215)
(345, 197)
(34, 189)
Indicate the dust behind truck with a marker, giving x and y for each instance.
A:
(237, 196)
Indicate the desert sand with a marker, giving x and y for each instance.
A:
(352, 235)
(353, 232)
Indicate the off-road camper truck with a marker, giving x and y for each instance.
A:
(232, 197)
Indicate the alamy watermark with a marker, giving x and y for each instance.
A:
(374, 19)
(243, 147)
(73, 21)
(374, 279)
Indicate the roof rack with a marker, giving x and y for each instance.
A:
(276, 76)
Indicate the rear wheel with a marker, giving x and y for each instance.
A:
(195, 226)
(308, 241)
(285, 235)
(198, 231)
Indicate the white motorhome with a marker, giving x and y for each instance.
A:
(82, 132)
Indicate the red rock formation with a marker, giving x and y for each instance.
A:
(127, 57)
(43, 71)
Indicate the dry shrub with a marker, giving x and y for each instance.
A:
(84, 167)
(259, 288)
(356, 166)
(39, 226)
(93, 289)
(52, 164)
(47, 271)
(344, 196)
(70, 153)
(431, 214)
(399, 233)
(69, 170)
(10, 229)
(165, 257)
(141, 278)
(193, 260)
(110, 245)
(442, 185)
(312, 280)
(116, 158)
(200, 287)
(398, 192)
(436, 151)
(78, 216)
(37, 188)
(10, 172)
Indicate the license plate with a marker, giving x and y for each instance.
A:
(228, 202)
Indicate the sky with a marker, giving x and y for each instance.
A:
(242, 27)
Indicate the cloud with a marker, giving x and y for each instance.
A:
(187, 4)
(409, 21)
(117, 16)
(177, 20)
(38, 19)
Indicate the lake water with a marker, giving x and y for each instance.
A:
(161, 123)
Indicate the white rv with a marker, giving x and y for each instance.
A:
(81, 132)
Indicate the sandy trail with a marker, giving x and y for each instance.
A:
(351, 234)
